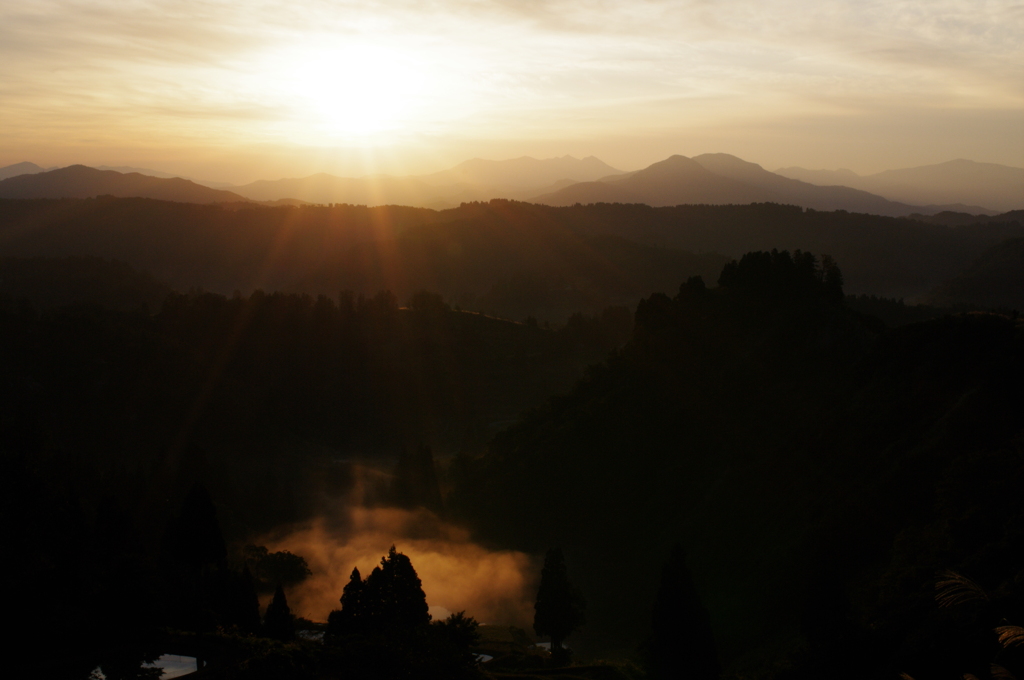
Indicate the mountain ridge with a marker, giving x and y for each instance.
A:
(80, 181)
(23, 168)
(472, 180)
(959, 185)
(1000, 188)
(722, 179)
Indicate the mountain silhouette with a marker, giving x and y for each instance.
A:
(998, 188)
(786, 190)
(673, 181)
(721, 179)
(472, 180)
(125, 169)
(80, 181)
(524, 172)
(25, 168)
(378, 190)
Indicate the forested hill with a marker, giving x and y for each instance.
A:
(496, 259)
(266, 389)
(505, 258)
(819, 470)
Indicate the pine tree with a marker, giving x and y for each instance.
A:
(392, 595)
(278, 622)
(247, 603)
(559, 609)
(682, 643)
(201, 541)
(194, 563)
(352, 617)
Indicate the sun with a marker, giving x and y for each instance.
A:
(354, 91)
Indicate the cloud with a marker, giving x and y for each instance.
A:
(224, 72)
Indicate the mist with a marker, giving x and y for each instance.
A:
(457, 574)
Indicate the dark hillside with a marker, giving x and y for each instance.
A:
(505, 258)
(995, 279)
(274, 383)
(498, 259)
(787, 446)
(51, 282)
(894, 257)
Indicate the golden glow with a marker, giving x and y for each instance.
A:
(233, 91)
(351, 92)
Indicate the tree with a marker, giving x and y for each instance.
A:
(559, 608)
(278, 622)
(393, 597)
(195, 564)
(270, 568)
(682, 643)
(351, 618)
(247, 604)
(195, 537)
(389, 600)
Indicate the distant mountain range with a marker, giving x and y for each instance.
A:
(165, 175)
(473, 180)
(998, 187)
(25, 168)
(79, 181)
(958, 186)
(718, 179)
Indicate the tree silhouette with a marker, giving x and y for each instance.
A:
(681, 642)
(352, 616)
(559, 608)
(196, 535)
(389, 601)
(393, 597)
(195, 564)
(278, 622)
(246, 610)
(270, 568)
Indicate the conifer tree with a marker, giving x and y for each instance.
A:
(393, 597)
(278, 622)
(559, 609)
(352, 617)
(682, 643)
(202, 542)
(247, 603)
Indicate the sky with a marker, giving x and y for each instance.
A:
(234, 91)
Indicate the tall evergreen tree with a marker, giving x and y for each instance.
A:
(246, 610)
(195, 564)
(279, 623)
(352, 617)
(682, 644)
(195, 538)
(559, 609)
(393, 597)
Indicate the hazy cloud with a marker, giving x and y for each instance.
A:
(488, 69)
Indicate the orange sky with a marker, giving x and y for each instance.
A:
(237, 91)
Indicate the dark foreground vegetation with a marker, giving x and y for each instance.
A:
(757, 476)
(820, 470)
